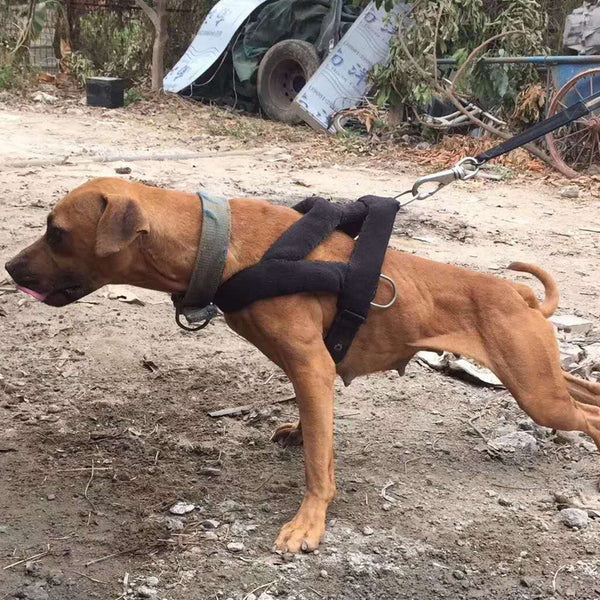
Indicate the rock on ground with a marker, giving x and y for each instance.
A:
(570, 191)
(572, 324)
(575, 518)
(235, 546)
(33, 591)
(516, 442)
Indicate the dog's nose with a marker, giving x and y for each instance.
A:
(17, 269)
(10, 266)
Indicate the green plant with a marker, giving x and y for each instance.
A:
(115, 47)
(9, 76)
(452, 29)
(132, 96)
(80, 67)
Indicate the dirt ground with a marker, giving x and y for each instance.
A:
(103, 404)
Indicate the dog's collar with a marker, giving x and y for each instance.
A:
(196, 304)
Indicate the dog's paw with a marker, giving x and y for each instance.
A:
(302, 534)
(288, 434)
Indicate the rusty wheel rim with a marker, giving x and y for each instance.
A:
(577, 145)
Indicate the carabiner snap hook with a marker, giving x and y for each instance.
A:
(465, 169)
(443, 178)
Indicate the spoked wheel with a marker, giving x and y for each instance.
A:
(576, 145)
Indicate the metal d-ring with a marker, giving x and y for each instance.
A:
(187, 327)
(393, 284)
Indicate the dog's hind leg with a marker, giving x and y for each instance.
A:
(288, 434)
(522, 351)
(587, 392)
(526, 359)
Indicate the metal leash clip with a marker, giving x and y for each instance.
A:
(465, 169)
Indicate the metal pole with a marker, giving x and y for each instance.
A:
(533, 60)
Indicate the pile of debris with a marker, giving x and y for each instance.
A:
(579, 349)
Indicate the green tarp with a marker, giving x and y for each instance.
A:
(232, 80)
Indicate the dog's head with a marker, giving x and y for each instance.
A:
(90, 240)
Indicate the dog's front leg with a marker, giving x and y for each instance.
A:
(289, 330)
(312, 373)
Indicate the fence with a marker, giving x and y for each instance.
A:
(40, 52)
(114, 35)
(117, 37)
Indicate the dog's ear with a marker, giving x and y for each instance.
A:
(121, 222)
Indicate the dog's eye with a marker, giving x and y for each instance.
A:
(54, 235)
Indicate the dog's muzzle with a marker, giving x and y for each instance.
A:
(65, 290)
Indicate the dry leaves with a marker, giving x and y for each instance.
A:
(454, 147)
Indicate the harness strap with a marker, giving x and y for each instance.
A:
(279, 277)
(321, 218)
(284, 270)
(362, 279)
(352, 215)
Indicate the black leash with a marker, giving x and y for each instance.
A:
(469, 167)
(570, 114)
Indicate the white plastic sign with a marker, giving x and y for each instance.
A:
(342, 79)
(215, 33)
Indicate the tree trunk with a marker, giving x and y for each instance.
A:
(158, 16)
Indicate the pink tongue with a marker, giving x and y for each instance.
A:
(36, 295)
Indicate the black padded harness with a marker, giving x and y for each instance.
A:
(284, 270)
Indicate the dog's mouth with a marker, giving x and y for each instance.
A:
(37, 295)
(58, 298)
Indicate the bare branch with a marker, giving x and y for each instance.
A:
(411, 58)
(435, 41)
(479, 49)
(505, 136)
(148, 11)
(449, 92)
(23, 41)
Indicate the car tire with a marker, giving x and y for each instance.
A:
(282, 73)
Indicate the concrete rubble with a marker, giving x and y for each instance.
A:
(570, 324)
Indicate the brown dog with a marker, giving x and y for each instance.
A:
(114, 231)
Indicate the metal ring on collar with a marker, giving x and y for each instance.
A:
(187, 327)
(393, 284)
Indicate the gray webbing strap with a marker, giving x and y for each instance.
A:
(210, 260)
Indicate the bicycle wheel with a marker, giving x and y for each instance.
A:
(576, 146)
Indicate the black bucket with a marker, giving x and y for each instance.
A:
(108, 92)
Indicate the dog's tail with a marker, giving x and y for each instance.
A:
(550, 303)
